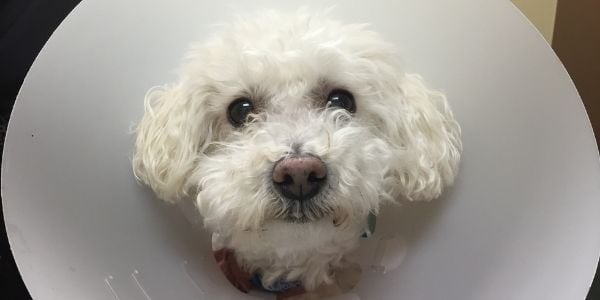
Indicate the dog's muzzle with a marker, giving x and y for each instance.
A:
(299, 177)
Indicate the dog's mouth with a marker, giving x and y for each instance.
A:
(300, 219)
(304, 212)
(338, 217)
(303, 216)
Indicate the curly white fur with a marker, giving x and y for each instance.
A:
(402, 142)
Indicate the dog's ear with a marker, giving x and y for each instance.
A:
(427, 138)
(169, 140)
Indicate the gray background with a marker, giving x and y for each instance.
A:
(520, 101)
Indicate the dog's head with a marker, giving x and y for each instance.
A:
(295, 118)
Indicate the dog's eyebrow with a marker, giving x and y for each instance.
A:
(320, 90)
(211, 89)
(255, 93)
(323, 87)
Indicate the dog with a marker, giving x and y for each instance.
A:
(289, 130)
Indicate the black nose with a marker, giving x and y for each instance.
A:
(299, 177)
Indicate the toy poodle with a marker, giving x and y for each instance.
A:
(290, 131)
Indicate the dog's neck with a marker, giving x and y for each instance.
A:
(299, 252)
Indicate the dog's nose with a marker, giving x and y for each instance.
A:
(299, 177)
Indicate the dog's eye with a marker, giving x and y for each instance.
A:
(342, 99)
(239, 110)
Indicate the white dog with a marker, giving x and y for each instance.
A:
(288, 130)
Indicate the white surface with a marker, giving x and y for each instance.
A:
(523, 221)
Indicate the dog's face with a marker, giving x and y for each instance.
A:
(295, 118)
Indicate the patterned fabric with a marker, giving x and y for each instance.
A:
(278, 286)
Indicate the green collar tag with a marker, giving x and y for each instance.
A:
(370, 228)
